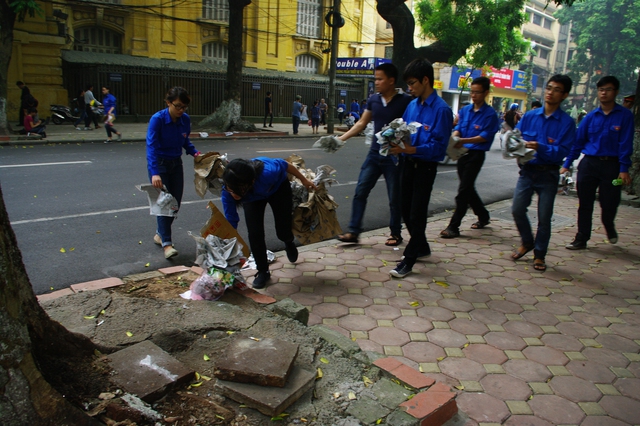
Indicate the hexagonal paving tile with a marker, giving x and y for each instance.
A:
(606, 357)
(590, 320)
(591, 371)
(577, 330)
(563, 343)
(412, 324)
(556, 410)
(575, 389)
(487, 316)
(330, 310)
(447, 338)
(554, 308)
(389, 336)
(626, 330)
(357, 322)
(540, 318)
(618, 343)
(526, 421)
(455, 305)
(602, 421)
(545, 355)
(355, 300)
(474, 296)
(523, 329)
(462, 369)
(622, 408)
(484, 354)
(382, 312)
(505, 341)
(483, 408)
(505, 307)
(435, 313)
(423, 352)
(629, 387)
(527, 370)
(506, 387)
(467, 326)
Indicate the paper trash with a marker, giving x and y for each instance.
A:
(453, 152)
(328, 143)
(209, 168)
(514, 147)
(161, 202)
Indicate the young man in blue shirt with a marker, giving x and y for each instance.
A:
(295, 113)
(383, 107)
(605, 137)
(551, 133)
(342, 108)
(421, 156)
(477, 125)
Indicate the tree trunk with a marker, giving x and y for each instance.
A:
(29, 340)
(233, 87)
(396, 13)
(7, 19)
(634, 170)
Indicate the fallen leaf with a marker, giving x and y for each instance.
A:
(440, 358)
(459, 387)
(102, 312)
(336, 395)
(420, 368)
(352, 395)
(319, 373)
(399, 285)
(72, 249)
(378, 421)
(203, 377)
(367, 381)
(324, 360)
(384, 263)
(51, 288)
(220, 417)
(414, 303)
(228, 332)
(410, 396)
(89, 316)
(197, 376)
(62, 250)
(442, 284)
(254, 338)
(206, 357)
(139, 242)
(147, 265)
(129, 334)
(195, 385)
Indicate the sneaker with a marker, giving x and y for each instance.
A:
(261, 279)
(264, 125)
(401, 270)
(87, 128)
(78, 128)
(270, 125)
(170, 252)
(107, 141)
(292, 252)
(157, 239)
(119, 136)
(44, 135)
(576, 244)
(612, 237)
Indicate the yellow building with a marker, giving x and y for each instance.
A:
(140, 47)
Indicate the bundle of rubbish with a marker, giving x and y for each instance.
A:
(314, 213)
(221, 260)
(396, 134)
(566, 182)
(514, 147)
(453, 152)
(328, 144)
(209, 168)
(161, 202)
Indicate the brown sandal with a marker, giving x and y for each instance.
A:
(479, 224)
(539, 265)
(393, 241)
(349, 237)
(521, 251)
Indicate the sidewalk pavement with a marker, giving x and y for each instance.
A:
(522, 347)
(137, 132)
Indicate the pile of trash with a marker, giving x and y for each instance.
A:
(395, 134)
(514, 147)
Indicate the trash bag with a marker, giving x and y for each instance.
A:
(212, 284)
(161, 202)
(208, 169)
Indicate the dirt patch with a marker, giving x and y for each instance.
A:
(195, 333)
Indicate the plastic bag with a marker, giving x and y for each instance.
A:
(212, 284)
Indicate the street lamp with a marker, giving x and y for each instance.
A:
(529, 74)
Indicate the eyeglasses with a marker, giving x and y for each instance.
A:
(180, 107)
(605, 89)
(241, 192)
(554, 89)
(411, 83)
(473, 92)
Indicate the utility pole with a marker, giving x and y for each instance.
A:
(336, 22)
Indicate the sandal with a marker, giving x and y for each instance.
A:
(480, 224)
(393, 241)
(539, 265)
(450, 233)
(522, 250)
(349, 237)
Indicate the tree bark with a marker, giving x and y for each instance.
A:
(7, 20)
(29, 339)
(233, 87)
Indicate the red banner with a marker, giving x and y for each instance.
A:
(501, 78)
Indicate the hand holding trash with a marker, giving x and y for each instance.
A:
(329, 143)
(391, 138)
(516, 147)
(455, 150)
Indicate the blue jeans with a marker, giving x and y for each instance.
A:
(543, 182)
(170, 171)
(373, 167)
(296, 124)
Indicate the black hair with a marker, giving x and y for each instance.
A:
(389, 70)
(419, 69)
(240, 174)
(609, 79)
(483, 81)
(563, 79)
(88, 87)
(106, 87)
(178, 93)
(268, 93)
(19, 83)
(536, 104)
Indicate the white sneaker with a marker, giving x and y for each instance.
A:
(120, 137)
(170, 252)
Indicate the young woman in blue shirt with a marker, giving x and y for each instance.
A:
(167, 136)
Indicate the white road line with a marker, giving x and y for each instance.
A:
(46, 164)
(290, 150)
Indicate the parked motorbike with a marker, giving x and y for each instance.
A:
(61, 114)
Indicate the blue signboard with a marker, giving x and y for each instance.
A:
(519, 81)
(115, 76)
(459, 76)
(358, 67)
(255, 86)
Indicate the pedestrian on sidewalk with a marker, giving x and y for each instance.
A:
(323, 112)
(109, 102)
(551, 133)
(477, 125)
(315, 117)
(268, 110)
(33, 125)
(82, 111)
(254, 184)
(341, 110)
(384, 106)
(605, 137)
(355, 106)
(421, 156)
(27, 101)
(90, 101)
(167, 135)
(295, 113)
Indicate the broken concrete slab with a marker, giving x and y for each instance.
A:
(335, 338)
(266, 362)
(367, 410)
(291, 309)
(147, 371)
(269, 400)
(389, 393)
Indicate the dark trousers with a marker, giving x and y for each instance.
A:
(296, 124)
(341, 116)
(268, 114)
(596, 174)
(281, 203)
(90, 117)
(469, 167)
(21, 115)
(417, 182)
(110, 129)
(172, 175)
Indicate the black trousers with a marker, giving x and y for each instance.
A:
(281, 203)
(417, 183)
(469, 167)
(90, 117)
(270, 115)
(596, 174)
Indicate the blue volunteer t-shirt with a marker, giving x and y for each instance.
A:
(555, 135)
(483, 122)
(383, 113)
(436, 121)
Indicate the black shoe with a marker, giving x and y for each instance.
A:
(270, 125)
(261, 279)
(264, 125)
(612, 237)
(576, 244)
(401, 270)
(292, 252)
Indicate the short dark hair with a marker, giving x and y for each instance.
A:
(268, 93)
(390, 70)
(609, 79)
(536, 104)
(240, 174)
(483, 81)
(88, 87)
(19, 83)
(106, 87)
(419, 68)
(178, 93)
(563, 79)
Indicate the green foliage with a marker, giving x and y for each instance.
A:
(606, 36)
(22, 8)
(483, 32)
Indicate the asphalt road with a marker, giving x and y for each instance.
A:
(78, 216)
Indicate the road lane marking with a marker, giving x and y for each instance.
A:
(131, 209)
(46, 164)
(290, 150)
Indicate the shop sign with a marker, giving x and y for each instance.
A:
(520, 83)
(501, 78)
(358, 67)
